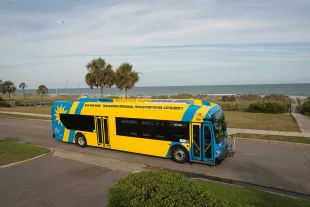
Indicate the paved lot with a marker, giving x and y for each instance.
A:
(284, 166)
(53, 181)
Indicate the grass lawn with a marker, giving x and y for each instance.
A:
(261, 121)
(22, 116)
(29, 109)
(11, 152)
(304, 140)
(252, 196)
(235, 119)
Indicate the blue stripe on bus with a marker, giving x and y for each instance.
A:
(71, 136)
(79, 108)
(168, 155)
(190, 113)
(213, 110)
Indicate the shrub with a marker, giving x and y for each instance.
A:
(160, 97)
(306, 108)
(277, 98)
(161, 189)
(249, 97)
(182, 96)
(228, 98)
(272, 108)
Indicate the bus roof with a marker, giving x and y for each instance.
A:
(162, 109)
(199, 102)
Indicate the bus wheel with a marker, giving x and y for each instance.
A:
(179, 155)
(80, 140)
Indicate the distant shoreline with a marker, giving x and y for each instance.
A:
(293, 90)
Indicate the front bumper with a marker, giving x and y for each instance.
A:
(222, 156)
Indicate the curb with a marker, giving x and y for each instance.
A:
(22, 161)
(274, 141)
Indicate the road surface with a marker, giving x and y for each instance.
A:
(53, 181)
(282, 166)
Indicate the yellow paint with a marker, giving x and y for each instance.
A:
(59, 110)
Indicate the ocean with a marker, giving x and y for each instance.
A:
(293, 90)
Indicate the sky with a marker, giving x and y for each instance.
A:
(196, 42)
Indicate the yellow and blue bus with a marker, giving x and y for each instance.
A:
(183, 130)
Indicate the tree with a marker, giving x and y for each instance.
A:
(99, 74)
(1, 85)
(42, 89)
(8, 87)
(22, 86)
(126, 78)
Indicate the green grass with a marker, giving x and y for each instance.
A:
(261, 121)
(3, 115)
(11, 152)
(252, 196)
(235, 119)
(304, 140)
(29, 109)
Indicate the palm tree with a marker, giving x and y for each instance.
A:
(126, 78)
(99, 74)
(22, 86)
(42, 89)
(8, 87)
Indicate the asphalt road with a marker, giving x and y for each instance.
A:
(282, 166)
(53, 181)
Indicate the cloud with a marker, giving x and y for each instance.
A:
(58, 38)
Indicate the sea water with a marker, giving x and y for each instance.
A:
(293, 90)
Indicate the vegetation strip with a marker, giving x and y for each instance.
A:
(5, 115)
(165, 188)
(11, 151)
(303, 140)
(245, 195)
(235, 119)
(193, 175)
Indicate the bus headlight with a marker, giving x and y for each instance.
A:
(218, 151)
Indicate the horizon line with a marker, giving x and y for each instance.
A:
(181, 86)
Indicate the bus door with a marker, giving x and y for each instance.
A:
(202, 143)
(102, 131)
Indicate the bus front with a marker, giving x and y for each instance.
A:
(220, 135)
(209, 143)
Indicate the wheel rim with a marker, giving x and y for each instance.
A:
(179, 154)
(81, 141)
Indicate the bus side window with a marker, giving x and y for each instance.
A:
(127, 127)
(176, 131)
(78, 122)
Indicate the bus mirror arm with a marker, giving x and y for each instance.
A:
(231, 147)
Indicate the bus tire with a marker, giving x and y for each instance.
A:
(80, 140)
(179, 154)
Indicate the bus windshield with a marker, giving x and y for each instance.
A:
(219, 129)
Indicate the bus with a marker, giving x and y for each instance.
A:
(189, 130)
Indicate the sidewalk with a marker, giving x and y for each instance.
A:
(267, 132)
(230, 130)
(303, 122)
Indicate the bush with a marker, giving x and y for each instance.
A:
(150, 188)
(277, 99)
(228, 98)
(271, 108)
(249, 97)
(306, 108)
